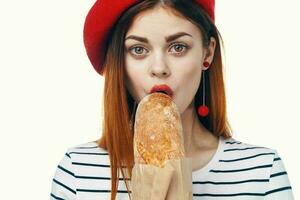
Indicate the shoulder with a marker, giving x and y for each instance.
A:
(248, 157)
(91, 146)
(87, 148)
(82, 166)
(241, 147)
(249, 151)
(87, 161)
(257, 161)
(87, 155)
(262, 162)
(247, 169)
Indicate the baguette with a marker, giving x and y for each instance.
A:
(157, 131)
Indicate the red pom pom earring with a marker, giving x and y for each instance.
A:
(203, 109)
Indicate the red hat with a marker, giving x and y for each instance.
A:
(101, 18)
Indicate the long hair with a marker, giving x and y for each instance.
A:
(119, 106)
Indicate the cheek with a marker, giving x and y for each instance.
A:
(189, 75)
(134, 83)
(188, 81)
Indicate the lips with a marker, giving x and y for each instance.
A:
(162, 88)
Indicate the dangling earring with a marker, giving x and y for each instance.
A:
(203, 109)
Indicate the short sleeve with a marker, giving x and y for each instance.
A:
(279, 186)
(64, 180)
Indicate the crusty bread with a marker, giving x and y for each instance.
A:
(157, 131)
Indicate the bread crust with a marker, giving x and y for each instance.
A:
(157, 131)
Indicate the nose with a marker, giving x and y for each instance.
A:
(160, 68)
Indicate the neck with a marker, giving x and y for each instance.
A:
(195, 135)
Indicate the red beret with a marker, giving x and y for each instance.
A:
(102, 17)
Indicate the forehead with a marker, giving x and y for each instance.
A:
(161, 21)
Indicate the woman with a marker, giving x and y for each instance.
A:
(173, 46)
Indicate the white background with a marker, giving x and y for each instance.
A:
(50, 96)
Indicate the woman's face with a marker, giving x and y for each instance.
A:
(177, 63)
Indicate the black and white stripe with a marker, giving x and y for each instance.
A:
(237, 171)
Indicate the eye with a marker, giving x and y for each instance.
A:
(138, 50)
(178, 48)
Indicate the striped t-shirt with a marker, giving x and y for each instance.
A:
(237, 171)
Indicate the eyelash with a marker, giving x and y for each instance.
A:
(173, 44)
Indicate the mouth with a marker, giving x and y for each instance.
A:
(162, 89)
(162, 92)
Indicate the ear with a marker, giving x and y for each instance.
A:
(210, 51)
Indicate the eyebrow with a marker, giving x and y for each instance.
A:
(168, 38)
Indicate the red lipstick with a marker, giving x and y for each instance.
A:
(163, 88)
